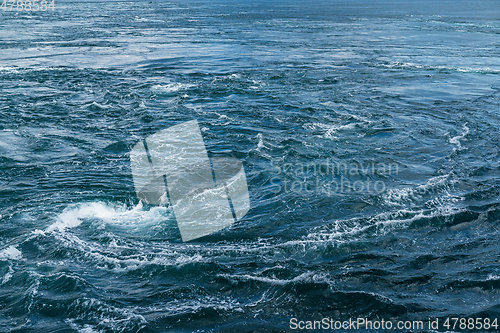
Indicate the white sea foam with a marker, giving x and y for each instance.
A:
(410, 65)
(329, 130)
(260, 144)
(189, 306)
(304, 277)
(8, 69)
(100, 106)
(8, 275)
(142, 253)
(406, 195)
(11, 253)
(456, 139)
(82, 328)
(170, 87)
(344, 231)
(111, 318)
(120, 215)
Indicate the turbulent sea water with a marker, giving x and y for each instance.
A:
(282, 86)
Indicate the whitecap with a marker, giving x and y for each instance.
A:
(119, 215)
(11, 253)
(170, 87)
(456, 139)
(9, 69)
(329, 131)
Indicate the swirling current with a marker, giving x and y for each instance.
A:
(369, 133)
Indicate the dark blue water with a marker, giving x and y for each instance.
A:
(369, 132)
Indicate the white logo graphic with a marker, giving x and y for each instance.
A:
(172, 166)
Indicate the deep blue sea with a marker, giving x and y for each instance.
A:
(369, 133)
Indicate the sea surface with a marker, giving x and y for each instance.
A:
(369, 132)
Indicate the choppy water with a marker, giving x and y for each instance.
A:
(278, 85)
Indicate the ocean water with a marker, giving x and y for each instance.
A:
(369, 132)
